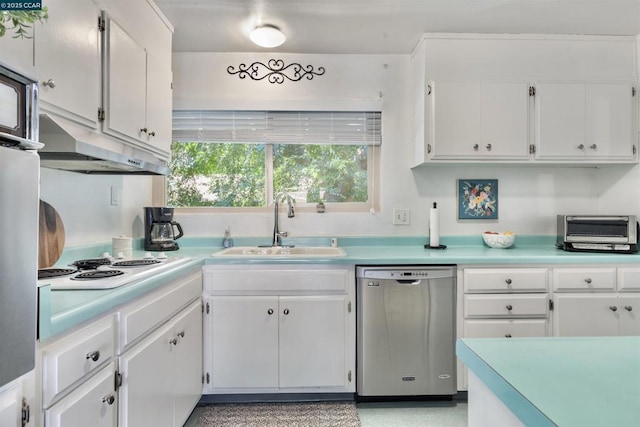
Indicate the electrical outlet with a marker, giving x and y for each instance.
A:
(115, 196)
(401, 216)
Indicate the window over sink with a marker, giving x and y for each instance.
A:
(242, 159)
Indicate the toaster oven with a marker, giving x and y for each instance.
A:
(598, 233)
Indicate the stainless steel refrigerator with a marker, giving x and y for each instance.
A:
(19, 195)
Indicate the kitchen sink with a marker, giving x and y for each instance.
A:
(282, 251)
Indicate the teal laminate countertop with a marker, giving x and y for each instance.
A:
(580, 381)
(62, 310)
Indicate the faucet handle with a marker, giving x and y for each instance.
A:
(283, 234)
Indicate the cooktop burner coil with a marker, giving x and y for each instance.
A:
(91, 264)
(135, 263)
(98, 274)
(54, 272)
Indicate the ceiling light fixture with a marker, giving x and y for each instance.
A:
(267, 36)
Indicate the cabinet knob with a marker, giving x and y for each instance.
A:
(109, 399)
(475, 147)
(49, 83)
(613, 308)
(628, 308)
(152, 133)
(173, 341)
(286, 311)
(508, 281)
(588, 280)
(270, 311)
(428, 148)
(581, 147)
(93, 355)
(509, 307)
(488, 147)
(180, 334)
(507, 335)
(143, 130)
(593, 146)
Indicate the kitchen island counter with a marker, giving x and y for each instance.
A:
(578, 381)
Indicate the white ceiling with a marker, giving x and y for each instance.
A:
(384, 26)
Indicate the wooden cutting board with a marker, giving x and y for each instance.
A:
(51, 236)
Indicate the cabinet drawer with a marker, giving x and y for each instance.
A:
(75, 356)
(581, 279)
(629, 279)
(505, 305)
(143, 316)
(479, 280)
(505, 328)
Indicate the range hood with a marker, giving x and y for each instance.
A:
(71, 147)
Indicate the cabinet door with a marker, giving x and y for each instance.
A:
(560, 120)
(610, 123)
(476, 120)
(126, 85)
(580, 121)
(159, 101)
(92, 404)
(11, 406)
(629, 309)
(312, 341)
(244, 342)
(187, 384)
(67, 58)
(146, 395)
(17, 54)
(585, 315)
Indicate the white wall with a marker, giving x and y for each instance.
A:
(529, 196)
(83, 202)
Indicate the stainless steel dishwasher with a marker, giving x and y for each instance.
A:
(406, 331)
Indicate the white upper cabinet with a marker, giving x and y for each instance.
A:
(67, 59)
(478, 120)
(585, 121)
(524, 99)
(17, 54)
(137, 87)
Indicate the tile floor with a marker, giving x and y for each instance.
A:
(399, 414)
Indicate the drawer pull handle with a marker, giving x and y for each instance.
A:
(180, 334)
(508, 281)
(286, 311)
(588, 280)
(613, 308)
(509, 307)
(507, 335)
(173, 341)
(109, 399)
(628, 307)
(270, 311)
(94, 355)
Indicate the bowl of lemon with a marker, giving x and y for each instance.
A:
(497, 240)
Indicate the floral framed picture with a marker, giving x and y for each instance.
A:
(478, 199)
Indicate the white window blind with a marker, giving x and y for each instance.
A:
(278, 127)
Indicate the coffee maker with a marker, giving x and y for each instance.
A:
(159, 226)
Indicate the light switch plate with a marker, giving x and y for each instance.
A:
(115, 196)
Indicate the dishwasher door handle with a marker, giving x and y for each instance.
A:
(409, 282)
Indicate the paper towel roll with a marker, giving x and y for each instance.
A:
(434, 226)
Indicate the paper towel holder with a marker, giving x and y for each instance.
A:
(435, 247)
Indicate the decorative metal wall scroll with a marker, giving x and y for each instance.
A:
(275, 71)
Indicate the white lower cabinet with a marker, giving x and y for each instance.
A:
(161, 375)
(596, 315)
(17, 402)
(596, 301)
(277, 329)
(93, 404)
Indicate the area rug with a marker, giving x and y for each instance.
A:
(304, 414)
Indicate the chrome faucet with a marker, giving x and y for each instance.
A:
(277, 234)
